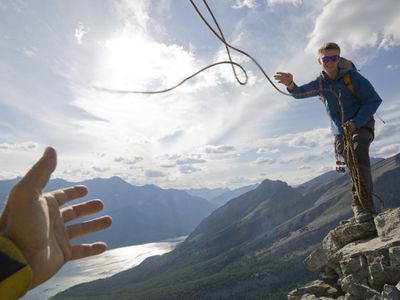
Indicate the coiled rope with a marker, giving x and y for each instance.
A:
(363, 193)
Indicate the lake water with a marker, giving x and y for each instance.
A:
(100, 266)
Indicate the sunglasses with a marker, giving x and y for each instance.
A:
(333, 58)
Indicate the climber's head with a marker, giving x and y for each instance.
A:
(328, 57)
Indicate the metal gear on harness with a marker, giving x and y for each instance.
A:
(340, 164)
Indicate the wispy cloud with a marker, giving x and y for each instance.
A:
(154, 174)
(245, 3)
(129, 161)
(190, 161)
(218, 149)
(188, 169)
(392, 67)
(333, 24)
(280, 2)
(29, 52)
(25, 146)
(389, 150)
(264, 150)
(80, 32)
(266, 160)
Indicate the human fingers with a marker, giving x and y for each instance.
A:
(82, 209)
(70, 193)
(85, 250)
(350, 126)
(38, 176)
(85, 228)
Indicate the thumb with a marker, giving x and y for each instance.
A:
(38, 176)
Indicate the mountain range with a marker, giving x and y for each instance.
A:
(250, 248)
(150, 213)
(141, 214)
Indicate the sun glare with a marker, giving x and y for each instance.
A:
(128, 59)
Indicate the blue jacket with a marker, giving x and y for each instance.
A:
(359, 108)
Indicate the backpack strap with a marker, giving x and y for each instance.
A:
(320, 90)
(347, 82)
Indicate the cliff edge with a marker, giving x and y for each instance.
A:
(356, 262)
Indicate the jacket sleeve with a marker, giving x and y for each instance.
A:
(368, 98)
(15, 273)
(306, 90)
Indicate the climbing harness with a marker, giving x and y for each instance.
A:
(340, 164)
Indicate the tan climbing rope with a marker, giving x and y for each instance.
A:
(364, 195)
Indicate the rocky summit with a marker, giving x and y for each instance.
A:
(356, 262)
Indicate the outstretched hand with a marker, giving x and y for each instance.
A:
(35, 222)
(284, 78)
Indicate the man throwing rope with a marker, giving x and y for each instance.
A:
(350, 102)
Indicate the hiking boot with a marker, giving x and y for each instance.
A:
(364, 217)
(360, 215)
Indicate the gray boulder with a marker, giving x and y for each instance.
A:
(363, 259)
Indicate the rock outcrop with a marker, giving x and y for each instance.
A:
(357, 262)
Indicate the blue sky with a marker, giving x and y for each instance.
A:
(210, 132)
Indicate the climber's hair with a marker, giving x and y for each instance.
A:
(328, 46)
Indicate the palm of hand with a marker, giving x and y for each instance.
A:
(42, 236)
(35, 223)
(284, 78)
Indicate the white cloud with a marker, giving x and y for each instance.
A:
(389, 150)
(29, 52)
(101, 169)
(172, 136)
(167, 166)
(129, 161)
(219, 149)
(391, 32)
(188, 169)
(263, 150)
(161, 66)
(135, 12)
(266, 160)
(280, 2)
(357, 24)
(26, 146)
(80, 32)
(302, 142)
(170, 156)
(155, 174)
(304, 167)
(188, 161)
(315, 138)
(245, 3)
(392, 67)
(388, 130)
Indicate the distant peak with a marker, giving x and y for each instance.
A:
(272, 185)
(116, 178)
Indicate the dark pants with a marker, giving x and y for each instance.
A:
(362, 139)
